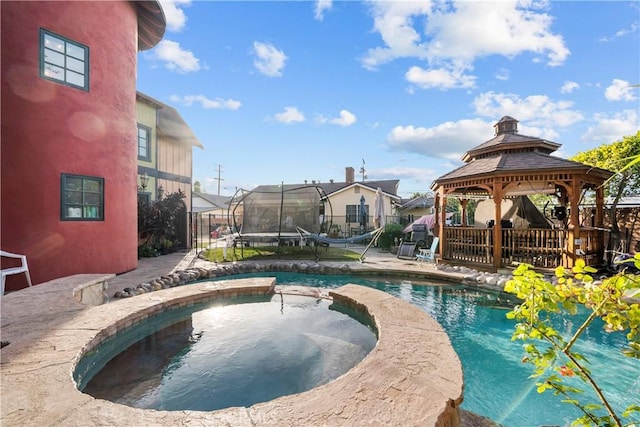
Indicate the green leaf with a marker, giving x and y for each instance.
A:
(631, 410)
(592, 407)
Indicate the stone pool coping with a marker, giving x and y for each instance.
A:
(412, 377)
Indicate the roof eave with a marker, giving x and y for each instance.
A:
(151, 23)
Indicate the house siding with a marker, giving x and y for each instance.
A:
(175, 160)
(49, 129)
(339, 201)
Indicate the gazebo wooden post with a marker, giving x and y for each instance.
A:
(574, 223)
(497, 226)
(441, 205)
(599, 222)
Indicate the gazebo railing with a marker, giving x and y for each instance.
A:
(467, 244)
(540, 247)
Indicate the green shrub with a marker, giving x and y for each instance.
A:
(388, 236)
(158, 224)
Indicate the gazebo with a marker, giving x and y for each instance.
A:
(508, 167)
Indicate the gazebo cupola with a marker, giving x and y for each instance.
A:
(510, 165)
(506, 125)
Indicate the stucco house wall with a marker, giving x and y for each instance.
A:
(50, 128)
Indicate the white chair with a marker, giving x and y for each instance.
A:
(23, 268)
(429, 254)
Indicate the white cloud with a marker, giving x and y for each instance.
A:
(610, 128)
(569, 87)
(269, 60)
(621, 33)
(206, 103)
(540, 112)
(502, 74)
(175, 58)
(449, 140)
(439, 78)
(450, 37)
(321, 7)
(620, 90)
(508, 28)
(394, 21)
(346, 119)
(174, 15)
(290, 115)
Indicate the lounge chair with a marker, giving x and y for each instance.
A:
(429, 254)
(22, 268)
(406, 250)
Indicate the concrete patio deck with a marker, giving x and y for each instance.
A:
(48, 326)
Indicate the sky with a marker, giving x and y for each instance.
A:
(288, 91)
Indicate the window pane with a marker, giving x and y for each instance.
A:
(53, 57)
(142, 133)
(75, 65)
(53, 72)
(73, 183)
(91, 185)
(73, 197)
(75, 51)
(142, 151)
(53, 43)
(90, 212)
(75, 78)
(92, 199)
(74, 212)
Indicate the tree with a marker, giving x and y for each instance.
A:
(621, 157)
(158, 224)
(197, 187)
(611, 300)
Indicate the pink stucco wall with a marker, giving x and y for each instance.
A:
(49, 129)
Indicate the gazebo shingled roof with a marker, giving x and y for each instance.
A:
(509, 151)
(505, 162)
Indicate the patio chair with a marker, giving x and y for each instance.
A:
(22, 268)
(429, 254)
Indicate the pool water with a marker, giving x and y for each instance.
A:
(234, 354)
(496, 382)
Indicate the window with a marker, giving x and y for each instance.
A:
(82, 198)
(144, 148)
(63, 61)
(354, 214)
(144, 199)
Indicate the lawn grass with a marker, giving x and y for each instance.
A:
(280, 253)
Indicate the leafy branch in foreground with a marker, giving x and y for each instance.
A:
(553, 354)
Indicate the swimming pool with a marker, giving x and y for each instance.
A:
(232, 353)
(496, 381)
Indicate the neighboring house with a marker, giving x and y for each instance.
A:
(68, 159)
(165, 153)
(212, 205)
(344, 199)
(210, 208)
(409, 210)
(628, 215)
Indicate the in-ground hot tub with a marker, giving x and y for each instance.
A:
(231, 352)
(411, 377)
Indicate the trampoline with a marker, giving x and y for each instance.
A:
(286, 215)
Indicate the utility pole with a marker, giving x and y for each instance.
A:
(218, 178)
(363, 170)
